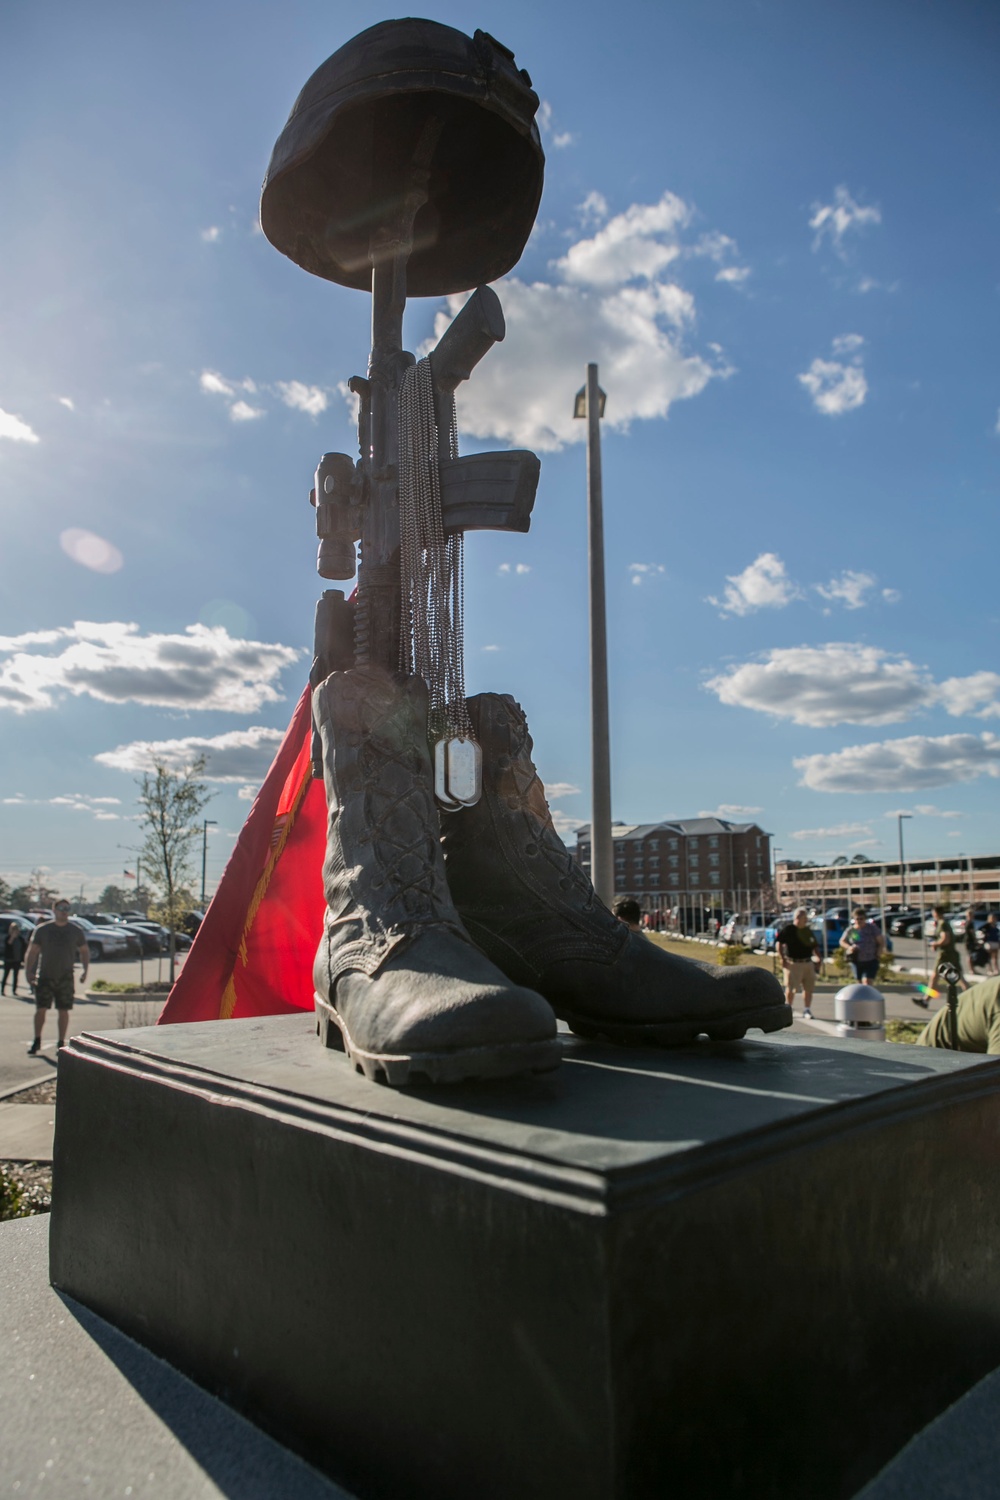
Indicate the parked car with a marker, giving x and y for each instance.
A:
(161, 936)
(26, 925)
(108, 942)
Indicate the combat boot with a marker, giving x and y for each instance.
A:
(399, 985)
(531, 908)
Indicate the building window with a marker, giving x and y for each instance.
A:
(713, 859)
(673, 861)
(674, 879)
(654, 843)
(654, 861)
(638, 880)
(713, 877)
(692, 843)
(672, 843)
(713, 842)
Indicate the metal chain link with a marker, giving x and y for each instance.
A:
(432, 565)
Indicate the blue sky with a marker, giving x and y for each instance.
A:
(773, 225)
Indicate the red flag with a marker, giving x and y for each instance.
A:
(253, 953)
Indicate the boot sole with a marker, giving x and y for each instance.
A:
(677, 1033)
(397, 1069)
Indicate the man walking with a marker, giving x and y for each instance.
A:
(799, 952)
(51, 954)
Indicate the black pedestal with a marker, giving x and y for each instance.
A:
(750, 1269)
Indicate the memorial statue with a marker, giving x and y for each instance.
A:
(458, 926)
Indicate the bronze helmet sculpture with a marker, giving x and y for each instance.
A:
(341, 167)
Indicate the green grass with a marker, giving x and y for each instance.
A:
(903, 1031)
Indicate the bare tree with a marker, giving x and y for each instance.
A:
(171, 803)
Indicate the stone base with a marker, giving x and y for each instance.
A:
(747, 1269)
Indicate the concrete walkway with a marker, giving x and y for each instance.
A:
(88, 1412)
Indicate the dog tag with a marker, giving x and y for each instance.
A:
(464, 768)
(441, 776)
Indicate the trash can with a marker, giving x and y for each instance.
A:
(859, 1010)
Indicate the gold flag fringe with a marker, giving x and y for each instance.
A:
(227, 1005)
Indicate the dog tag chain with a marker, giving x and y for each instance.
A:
(433, 592)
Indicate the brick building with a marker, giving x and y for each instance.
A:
(688, 862)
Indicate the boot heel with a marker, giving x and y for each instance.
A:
(326, 1027)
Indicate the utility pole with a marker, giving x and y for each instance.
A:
(207, 823)
(902, 867)
(590, 404)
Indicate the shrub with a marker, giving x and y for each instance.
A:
(731, 954)
(12, 1204)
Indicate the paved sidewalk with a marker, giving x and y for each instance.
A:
(88, 1412)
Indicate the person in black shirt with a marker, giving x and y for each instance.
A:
(799, 956)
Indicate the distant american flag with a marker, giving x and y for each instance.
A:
(128, 875)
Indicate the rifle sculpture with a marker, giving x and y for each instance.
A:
(458, 926)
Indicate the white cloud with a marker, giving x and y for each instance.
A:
(212, 235)
(611, 302)
(978, 695)
(66, 401)
(730, 810)
(15, 429)
(850, 832)
(564, 824)
(850, 683)
(518, 568)
(556, 789)
(242, 411)
(234, 756)
(593, 210)
(763, 584)
(645, 572)
(560, 138)
(829, 684)
(491, 648)
(733, 275)
(908, 765)
(214, 385)
(850, 588)
(98, 807)
(311, 399)
(633, 246)
(203, 668)
(248, 793)
(840, 218)
(925, 809)
(90, 551)
(836, 387)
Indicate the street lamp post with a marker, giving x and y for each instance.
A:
(902, 867)
(206, 825)
(590, 404)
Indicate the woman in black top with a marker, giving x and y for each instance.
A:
(13, 956)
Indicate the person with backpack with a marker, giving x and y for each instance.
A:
(864, 946)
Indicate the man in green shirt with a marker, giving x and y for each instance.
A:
(51, 954)
(978, 1021)
(799, 956)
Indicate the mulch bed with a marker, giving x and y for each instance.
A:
(32, 1181)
